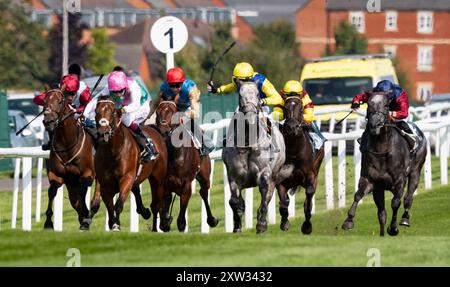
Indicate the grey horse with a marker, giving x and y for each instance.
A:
(387, 164)
(251, 156)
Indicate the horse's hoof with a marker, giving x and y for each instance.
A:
(347, 225)
(392, 231)
(115, 227)
(146, 214)
(285, 225)
(306, 227)
(164, 228)
(261, 227)
(237, 230)
(48, 225)
(405, 222)
(85, 223)
(212, 222)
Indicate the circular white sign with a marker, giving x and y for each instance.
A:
(169, 34)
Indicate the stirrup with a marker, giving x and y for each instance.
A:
(45, 146)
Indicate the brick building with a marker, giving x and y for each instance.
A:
(415, 31)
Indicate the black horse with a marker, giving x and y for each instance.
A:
(302, 164)
(387, 164)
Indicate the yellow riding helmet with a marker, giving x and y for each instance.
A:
(243, 71)
(293, 87)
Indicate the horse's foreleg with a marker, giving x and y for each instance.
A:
(166, 217)
(413, 182)
(204, 191)
(378, 197)
(125, 185)
(264, 189)
(307, 206)
(157, 204)
(395, 204)
(54, 185)
(77, 195)
(140, 208)
(95, 201)
(184, 201)
(364, 187)
(284, 204)
(237, 204)
(108, 199)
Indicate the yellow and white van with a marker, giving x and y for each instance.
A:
(334, 81)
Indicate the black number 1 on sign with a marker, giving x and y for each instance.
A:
(170, 33)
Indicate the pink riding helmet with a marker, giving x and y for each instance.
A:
(117, 81)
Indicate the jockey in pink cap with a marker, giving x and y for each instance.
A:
(133, 102)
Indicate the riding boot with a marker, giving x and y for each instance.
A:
(92, 131)
(408, 134)
(207, 146)
(316, 130)
(148, 149)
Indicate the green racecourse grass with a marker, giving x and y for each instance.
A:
(425, 243)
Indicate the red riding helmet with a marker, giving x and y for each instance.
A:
(175, 75)
(71, 81)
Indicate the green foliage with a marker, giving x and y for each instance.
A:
(348, 40)
(101, 53)
(77, 50)
(23, 49)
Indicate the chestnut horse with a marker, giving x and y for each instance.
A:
(71, 161)
(185, 165)
(301, 164)
(118, 170)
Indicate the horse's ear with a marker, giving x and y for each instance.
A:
(177, 97)
(63, 87)
(238, 82)
(46, 87)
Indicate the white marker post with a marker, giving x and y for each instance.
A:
(169, 35)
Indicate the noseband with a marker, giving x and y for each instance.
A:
(61, 117)
(104, 122)
(164, 122)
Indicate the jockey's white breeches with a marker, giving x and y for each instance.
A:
(137, 116)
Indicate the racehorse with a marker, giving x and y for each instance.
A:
(71, 161)
(302, 164)
(117, 161)
(185, 165)
(251, 156)
(387, 164)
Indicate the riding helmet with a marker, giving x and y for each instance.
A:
(71, 81)
(243, 70)
(175, 75)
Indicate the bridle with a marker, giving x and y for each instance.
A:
(298, 99)
(164, 122)
(61, 117)
(104, 122)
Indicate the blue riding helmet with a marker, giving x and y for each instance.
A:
(386, 85)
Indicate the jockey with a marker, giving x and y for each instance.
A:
(398, 107)
(185, 93)
(244, 71)
(294, 88)
(130, 99)
(76, 94)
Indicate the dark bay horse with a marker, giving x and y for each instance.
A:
(117, 161)
(185, 165)
(387, 164)
(71, 161)
(301, 166)
(251, 156)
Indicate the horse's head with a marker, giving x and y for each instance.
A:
(55, 107)
(106, 118)
(248, 96)
(165, 120)
(293, 113)
(377, 111)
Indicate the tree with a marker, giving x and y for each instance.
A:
(101, 53)
(348, 40)
(77, 50)
(23, 49)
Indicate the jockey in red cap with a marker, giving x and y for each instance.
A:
(76, 93)
(185, 93)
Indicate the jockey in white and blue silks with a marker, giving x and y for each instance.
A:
(186, 95)
(133, 101)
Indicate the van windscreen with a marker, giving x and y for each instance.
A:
(336, 90)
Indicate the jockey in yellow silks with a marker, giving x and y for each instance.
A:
(243, 71)
(295, 89)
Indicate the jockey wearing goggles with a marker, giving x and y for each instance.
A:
(186, 95)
